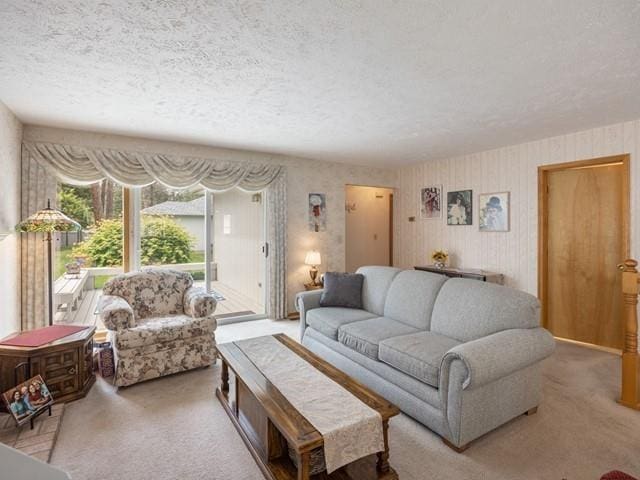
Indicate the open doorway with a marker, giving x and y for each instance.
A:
(369, 226)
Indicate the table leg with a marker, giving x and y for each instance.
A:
(383, 457)
(304, 460)
(225, 377)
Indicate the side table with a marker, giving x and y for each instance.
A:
(66, 365)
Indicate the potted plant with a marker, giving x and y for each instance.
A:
(439, 258)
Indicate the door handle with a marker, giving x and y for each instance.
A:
(265, 249)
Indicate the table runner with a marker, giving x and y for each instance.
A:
(350, 428)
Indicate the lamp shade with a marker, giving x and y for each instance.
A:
(313, 258)
(48, 220)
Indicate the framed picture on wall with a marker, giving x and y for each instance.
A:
(460, 207)
(431, 202)
(317, 212)
(494, 212)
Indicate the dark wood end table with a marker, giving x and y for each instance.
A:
(66, 365)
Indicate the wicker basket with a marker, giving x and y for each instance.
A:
(317, 460)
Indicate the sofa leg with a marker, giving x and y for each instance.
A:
(531, 411)
(453, 447)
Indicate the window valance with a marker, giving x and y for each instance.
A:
(85, 165)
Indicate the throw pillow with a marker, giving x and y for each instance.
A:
(342, 290)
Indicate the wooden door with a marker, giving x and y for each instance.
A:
(586, 217)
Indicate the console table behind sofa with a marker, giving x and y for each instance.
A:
(470, 273)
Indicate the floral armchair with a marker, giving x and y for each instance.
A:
(158, 324)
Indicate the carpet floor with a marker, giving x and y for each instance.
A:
(174, 428)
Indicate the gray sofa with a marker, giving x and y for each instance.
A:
(460, 356)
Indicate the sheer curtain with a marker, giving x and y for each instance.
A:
(37, 187)
(277, 239)
(43, 163)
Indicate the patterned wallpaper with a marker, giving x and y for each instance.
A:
(303, 177)
(511, 169)
(10, 139)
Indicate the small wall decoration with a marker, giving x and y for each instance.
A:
(460, 207)
(431, 202)
(494, 212)
(317, 212)
(350, 207)
(27, 399)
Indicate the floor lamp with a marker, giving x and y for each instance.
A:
(48, 221)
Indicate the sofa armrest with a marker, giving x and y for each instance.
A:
(306, 301)
(498, 355)
(115, 312)
(198, 303)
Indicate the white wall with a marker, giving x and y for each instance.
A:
(511, 169)
(303, 176)
(10, 140)
(367, 226)
(195, 226)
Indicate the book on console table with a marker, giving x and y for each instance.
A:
(471, 273)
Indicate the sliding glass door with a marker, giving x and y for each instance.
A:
(239, 253)
(217, 237)
(172, 229)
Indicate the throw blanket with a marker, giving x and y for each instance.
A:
(351, 429)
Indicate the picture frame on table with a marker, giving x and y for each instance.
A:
(28, 399)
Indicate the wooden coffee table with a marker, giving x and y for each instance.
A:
(267, 422)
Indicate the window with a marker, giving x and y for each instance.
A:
(226, 225)
(172, 226)
(95, 251)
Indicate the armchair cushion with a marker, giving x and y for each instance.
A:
(164, 329)
(198, 303)
(115, 312)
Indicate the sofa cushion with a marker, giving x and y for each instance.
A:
(418, 354)
(375, 286)
(342, 290)
(469, 309)
(163, 329)
(365, 335)
(388, 374)
(411, 297)
(327, 320)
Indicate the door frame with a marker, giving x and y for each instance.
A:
(543, 215)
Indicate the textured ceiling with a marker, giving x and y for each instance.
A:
(374, 82)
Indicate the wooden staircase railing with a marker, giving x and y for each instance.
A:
(630, 395)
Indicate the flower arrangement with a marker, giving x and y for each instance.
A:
(439, 258)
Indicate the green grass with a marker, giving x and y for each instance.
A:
(197, 257)
(63, 256)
